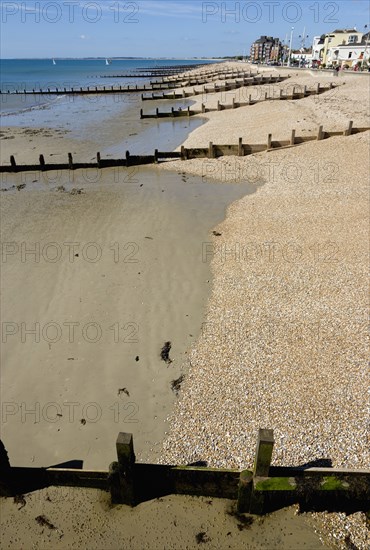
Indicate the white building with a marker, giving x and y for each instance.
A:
(304, 58)
(317, 47)
(350, 55)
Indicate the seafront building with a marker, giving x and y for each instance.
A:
(317, 47)
(350, 55)
(303, 57)
(338, 38)
(344, 48)
(266, 49)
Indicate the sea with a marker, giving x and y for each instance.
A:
(88, 115)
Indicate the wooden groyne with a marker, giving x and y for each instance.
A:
(90, 90)
(217, 74)
(211, 152)
(296, 93)
(204, 81)
(209, 77)
(263, 489)
(153, 86)
(228, 86)
(166, 72)
(93, 90)
(133, 75)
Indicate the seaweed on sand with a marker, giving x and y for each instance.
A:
(176, 384)
(165, 353)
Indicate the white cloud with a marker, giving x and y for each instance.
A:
(168, 8)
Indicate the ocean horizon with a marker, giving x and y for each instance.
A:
(28, 74)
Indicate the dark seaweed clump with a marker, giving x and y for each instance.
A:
(41, 520)
(201, 537)
(165, 353)
(176, 384)
(244, 522)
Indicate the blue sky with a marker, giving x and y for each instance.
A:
(159, 28)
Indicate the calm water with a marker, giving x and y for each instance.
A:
(111, 120)
(29, 74)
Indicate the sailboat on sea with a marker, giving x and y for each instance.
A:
(108, 61)
(54, 62)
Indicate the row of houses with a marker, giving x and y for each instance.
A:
(344, 48)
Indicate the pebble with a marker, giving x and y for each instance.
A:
(284, 340)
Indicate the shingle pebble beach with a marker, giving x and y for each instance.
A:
(284, 342)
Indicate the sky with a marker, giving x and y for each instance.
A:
(165, 28)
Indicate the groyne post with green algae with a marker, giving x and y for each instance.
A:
(121, 473)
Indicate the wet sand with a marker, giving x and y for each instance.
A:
(85, 125)
(57, 296)
(102, 307)
(83, 518)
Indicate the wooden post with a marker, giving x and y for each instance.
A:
(348, 131)
(12, 162)
(203, 108)
(157, 112)
(318, 88)
(249, 99)
(218, 106)
(183, 93)
(7, 485)
(320, 134)
(126, 462)
(188, 111)
(114, 483)
(141, 114)
(269, 139)
(127, 158)
(281, 93)
(98, 159)
(211, 151)
(304, 91)
(265, 445)
(172, 111)
(183, 154)
(265, 96)
(156, 156)
(70, 161)
(245, 491)
(240, 148)
(292, 138)
(42, 162)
